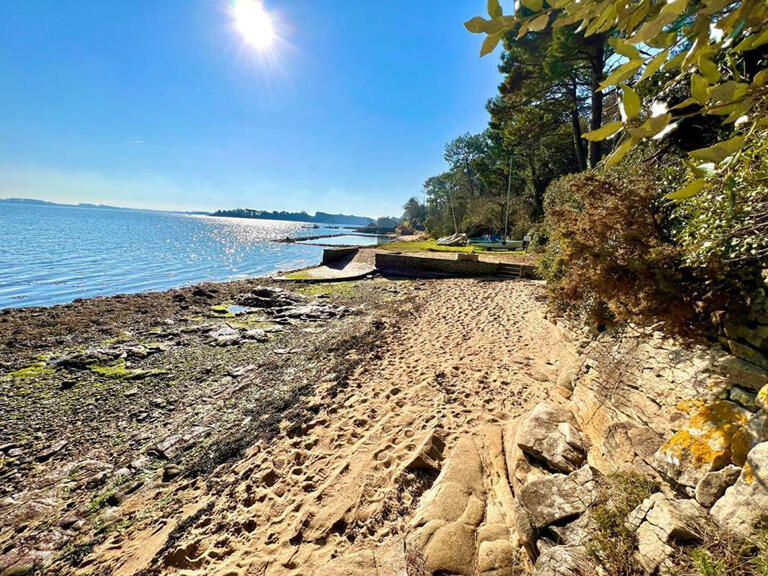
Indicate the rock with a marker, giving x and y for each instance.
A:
(744, 506)
(714, 484)
(170, 472)
(428, 455)
(743, 396)
(564, 561)
(548, 434)
(660, 522)
(718, 435)
(51, 451)
(168, 448)
(762, 398)
(743, 373)
(225, 336)
(519, 469)
(558, 497)
(256, 334)
(495, 555)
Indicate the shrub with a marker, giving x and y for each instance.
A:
(612, 543)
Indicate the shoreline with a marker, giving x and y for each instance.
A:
(141, 414)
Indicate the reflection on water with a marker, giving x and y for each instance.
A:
(54, 254)
(349, 240)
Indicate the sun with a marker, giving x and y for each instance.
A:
(254, 23)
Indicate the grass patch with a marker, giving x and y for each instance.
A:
(612, 543)
(430, 245)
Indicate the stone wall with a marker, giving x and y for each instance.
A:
(333, 255)
(416, 265)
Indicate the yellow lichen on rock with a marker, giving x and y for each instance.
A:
(762, 398)
(717, 435)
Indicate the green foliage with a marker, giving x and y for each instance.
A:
(722, 553)
(716, 47)
(727, 225)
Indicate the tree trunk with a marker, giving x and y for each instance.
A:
(576, 124)
(469, 177)
(597, 63)
(538, 192)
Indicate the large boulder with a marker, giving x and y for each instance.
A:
(660, 522)
(745, 504)
(548, 434)
(718, 435)
(558, 497)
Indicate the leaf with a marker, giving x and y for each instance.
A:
(699, 86)
(557, 4)
(709, 69)
(523, 30)
(654, 65)
(752, 42)
(685, 103)
(534, 5)
(625, 48)
(631, 102)
(605, 131)
(620, 152)
(489, 44)
(693, 188)
(494, 9)
(622, 73)
(539, 23)
(720, 151)
(760, 78)
(728, 91)
(476, 25)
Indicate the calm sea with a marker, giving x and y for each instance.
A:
(54, 254)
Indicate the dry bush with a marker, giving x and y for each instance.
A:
(721, 553)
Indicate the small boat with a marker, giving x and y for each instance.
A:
(455, 240)
(494, 242)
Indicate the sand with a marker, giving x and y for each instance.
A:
(473, 353)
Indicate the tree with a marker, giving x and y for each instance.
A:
(414, 212)
(717, 46)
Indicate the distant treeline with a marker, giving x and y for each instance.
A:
(319, 217)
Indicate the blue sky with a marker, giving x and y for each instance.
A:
(160, 103)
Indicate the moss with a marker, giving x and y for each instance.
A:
(118, 371)
(37, 369)
(300, 275)
(107, 498)
(222, 311)
(337, 289)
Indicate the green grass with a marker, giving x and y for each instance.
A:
(427, 246)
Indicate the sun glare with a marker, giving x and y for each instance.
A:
(254, 23)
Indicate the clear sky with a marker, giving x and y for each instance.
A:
(162, 103)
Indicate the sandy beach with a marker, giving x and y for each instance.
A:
(262, 457)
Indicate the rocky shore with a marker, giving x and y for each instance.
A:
(370, 427)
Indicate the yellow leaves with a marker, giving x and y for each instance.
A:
(625, 48)
(720, 151)
(478, 25)
(699, 87)
(654, 65)
(728, 91)
(693, 188)
(494, 9)
(534, 5)
(489, 44)
(621, 74)
(620, 152)
(631, 102)
(605, 131)
(539, 23)
(709, 69)
(752, 42)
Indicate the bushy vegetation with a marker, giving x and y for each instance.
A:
(630, 143)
